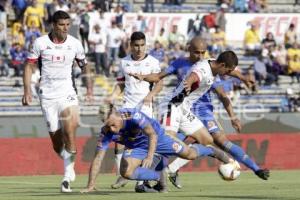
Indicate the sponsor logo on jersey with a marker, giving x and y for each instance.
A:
(177, 147)
(48, 47)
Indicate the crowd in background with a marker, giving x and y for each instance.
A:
(106, 41)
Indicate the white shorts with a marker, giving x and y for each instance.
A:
(177, 118)
(52, 109)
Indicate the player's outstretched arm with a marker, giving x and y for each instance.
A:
(94, 171)
(117, 91)
(148, 130)
(156, 89)
(27, 97)
(151, 78)
(235, 122)
(189, 81)
(237, 74)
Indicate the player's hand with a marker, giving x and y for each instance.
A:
(249, 83)
(236, 124)
(147, 162)
(137, 76)
(187, 87)
(147, 101)
(27, 99)
(87, 190)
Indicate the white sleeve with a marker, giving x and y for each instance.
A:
(198, 70)
(35, 52)
(156, 68)
(80, 55)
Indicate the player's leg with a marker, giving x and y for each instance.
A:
(192, 126)
(120, 182)
(239, 154)
(69, 118)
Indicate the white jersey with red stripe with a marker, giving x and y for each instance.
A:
(205, 80)
(135, 90)
(56, 62)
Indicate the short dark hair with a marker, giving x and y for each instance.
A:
(229, 58)
(137, 36)
(58, 15)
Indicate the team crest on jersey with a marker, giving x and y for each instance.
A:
(177, 147)
(211, 125)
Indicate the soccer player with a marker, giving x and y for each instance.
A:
(55, 54)
(136, 93)
(203, 109)
(142, 137)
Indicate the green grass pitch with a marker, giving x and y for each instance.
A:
(283, 185)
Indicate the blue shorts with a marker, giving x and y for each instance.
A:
(166, 146)
(209, 121)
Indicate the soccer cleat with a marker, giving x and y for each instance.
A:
(65, 187)
(174, 179)
(263, 174)
(121, 182)
(160, 188)
(144, 188)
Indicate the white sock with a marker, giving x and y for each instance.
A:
(176, 165)
(69, 163)
(118, 158)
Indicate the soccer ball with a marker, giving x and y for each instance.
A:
(229, 171)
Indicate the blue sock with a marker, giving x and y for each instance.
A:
(141, 174)
(203, 150)
(239, 154)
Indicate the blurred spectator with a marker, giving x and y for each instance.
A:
(101, 5)
(149, 5)
(114, 40)
(162, 39)
(280, 54)
(30, 34)
(220, 19)
(34, 14)
(269, 42)
(176, 52)
(140, 23)
(253, 6)
(260, 72)
(218, 41)
(98, 40)
(3, 40)
(61, 5)
(250, 74)
(18, 58)
(290, 37)
(19, 7)
(4, 69)
(252, 43)
(18, 35)
(175, 36)
(51, 9)
(119, 12)
(158, 52)
(209, 20)
(84, 29)
(294, 62)
(240, 6)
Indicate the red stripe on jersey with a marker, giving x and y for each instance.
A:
(195, 86)
(32, 60)
(121, 79)
(168, 121)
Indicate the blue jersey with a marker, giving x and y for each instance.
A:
(131, 135)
